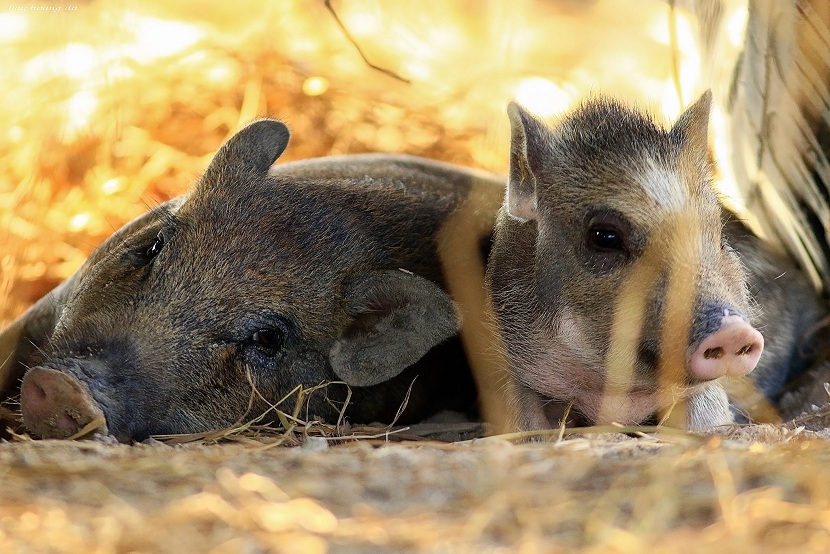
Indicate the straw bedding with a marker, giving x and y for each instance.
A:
(94, 135)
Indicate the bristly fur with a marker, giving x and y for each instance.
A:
(668, 286)
(166, 327)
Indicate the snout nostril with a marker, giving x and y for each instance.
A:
(733, 349)
(715, 353)
(67, 423)
(746, 349)
(37, 392)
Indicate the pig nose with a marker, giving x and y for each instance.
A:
(55, 405)
(733, 349)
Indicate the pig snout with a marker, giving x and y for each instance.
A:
(732, 349)
(55, 405)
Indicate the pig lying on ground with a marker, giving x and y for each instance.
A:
(618, 294)
(215, 305)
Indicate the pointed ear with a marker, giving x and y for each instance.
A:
(255, 147)
(529, 139)
(396, 318)
(691, 131)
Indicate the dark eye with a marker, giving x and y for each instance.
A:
(605, 239)
(268, 339)
(609, 241)
(155, 248)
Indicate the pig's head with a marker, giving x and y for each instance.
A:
(611, 279)
(216, 305)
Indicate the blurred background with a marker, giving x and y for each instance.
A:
(109, 107)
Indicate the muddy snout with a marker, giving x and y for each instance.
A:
(55, 405)
(732, 349)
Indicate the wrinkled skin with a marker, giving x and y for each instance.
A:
(317, 271)
(614, 284)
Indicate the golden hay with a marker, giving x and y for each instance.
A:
(605, 494)
(109, 109)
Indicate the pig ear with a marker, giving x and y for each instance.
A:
(256, 146)
(397, 317)
(528, 148)
(691, 131)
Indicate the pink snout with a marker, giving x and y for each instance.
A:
(55, 405)
(734, 349)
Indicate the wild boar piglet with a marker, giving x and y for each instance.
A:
(615, 287)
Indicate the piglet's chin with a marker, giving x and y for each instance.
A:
(590, 408)
(625, 409)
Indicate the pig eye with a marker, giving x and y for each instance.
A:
(609, 240)
(268, 339)
(605, 239)
(155, 248)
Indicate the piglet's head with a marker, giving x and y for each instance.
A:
(615, 287)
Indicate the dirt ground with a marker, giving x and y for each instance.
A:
(758, 489)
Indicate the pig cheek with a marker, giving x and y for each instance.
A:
(198, 392)
(166, 394)
(235, 384)
(570, 369)
(277, 379)
(562, 361)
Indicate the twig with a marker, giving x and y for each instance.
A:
(349, 37)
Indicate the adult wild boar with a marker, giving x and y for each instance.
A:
(215, 305)
(614, 285)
